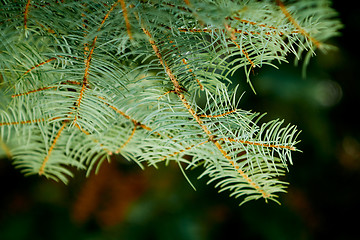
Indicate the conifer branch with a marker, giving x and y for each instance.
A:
(128, 140)
(197, 118)
(101, 88)
(296, 24)
(46, 159)
(85, 82)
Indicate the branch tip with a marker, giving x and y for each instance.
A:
(296, 24)
(46, 159)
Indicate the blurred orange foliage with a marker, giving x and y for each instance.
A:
(107, 196)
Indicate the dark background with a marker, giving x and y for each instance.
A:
(124, 202)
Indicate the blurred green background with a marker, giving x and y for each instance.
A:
(124, 202)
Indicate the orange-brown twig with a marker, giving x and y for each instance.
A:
(187, 67)
(219, 115)
(262, 25)
(21, 122)
(81, 129)
(233, 31)
(245, 53)
(170, 91)
(115, 109)
(207, 30)
(107, 15)
(33, 91)
(254, 23)
(46, 159)
(128, 117)
(296, 24)
(26, 14)
(128, 140)
(192, 73)
(257, 143)
(43, 89)
(127, 23)
(44, 62)
(183, 150)
(49, 30)
(241, 172)
(40, 64)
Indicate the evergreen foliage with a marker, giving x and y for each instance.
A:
(83, 80)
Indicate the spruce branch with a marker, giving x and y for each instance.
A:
(83, 81)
